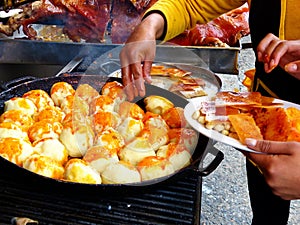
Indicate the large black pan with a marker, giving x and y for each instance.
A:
(97, 81)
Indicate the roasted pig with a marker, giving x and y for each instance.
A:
(224, 31)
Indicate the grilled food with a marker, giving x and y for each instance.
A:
(59, 91)
(44, 165)
(249, 115)
(13, 130)
(18, 103)
(40, 98)
(15, 150)
(157, 104)
(77, 137)
(245, 127)
(52, 148)
(153, 167)
(78, 170)
(120, 173)
(178, 155)
(100, 157)
(19, 117)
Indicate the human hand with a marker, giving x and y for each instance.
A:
(138, 54)
(280, 166)
(273, 52)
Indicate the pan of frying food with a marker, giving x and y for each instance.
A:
(80, 130)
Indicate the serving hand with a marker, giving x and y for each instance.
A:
(138, 54)
(273, 52)
(280, 166)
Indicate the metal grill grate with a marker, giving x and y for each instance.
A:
(173, 202)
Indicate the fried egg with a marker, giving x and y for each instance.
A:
(15, 150)
(50, 112)
(18, 103)
(46, 128)
(100, 157)
(59, 91)
(77, 138)
(130, 128)
(77, 170)
(120, 173)
(18, 117)
(115, 90)
(154, 167)
(178, 155)
(157, 104)
(44, 165)
(40, 98)
(102, 103)
(11, 129)
(129, 109)
(86, 92)
(136, 150)
(52, 148)
(174, 117)
(156, 137)
(155, 120)
(111, 140)
(155, 130)
(75, 104)
(102, 120)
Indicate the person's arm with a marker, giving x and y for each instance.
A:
(273, 52)
(163, 21)
(137, 55)
(280, 166)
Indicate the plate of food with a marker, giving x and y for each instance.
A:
(188, 81)
(232, 117)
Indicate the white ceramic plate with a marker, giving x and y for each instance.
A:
(195, 105)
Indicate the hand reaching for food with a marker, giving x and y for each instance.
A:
(274, 52)
(138, 54)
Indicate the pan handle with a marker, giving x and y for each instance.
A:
(204, 171)
(5, 85)
(208, 165)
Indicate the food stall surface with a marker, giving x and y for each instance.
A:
(224, 192)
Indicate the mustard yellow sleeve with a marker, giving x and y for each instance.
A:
(184, 14)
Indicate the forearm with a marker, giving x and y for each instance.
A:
(180, 15)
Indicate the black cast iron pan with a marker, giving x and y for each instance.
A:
(15, 172)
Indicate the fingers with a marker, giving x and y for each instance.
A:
(136, 61)
(270, 147)
(293, 68)
(263, 45)
(270, 50)
(134, 77)
(146, 71)
(128, 83)
(137, 73)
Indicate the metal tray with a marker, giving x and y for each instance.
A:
(20, 57)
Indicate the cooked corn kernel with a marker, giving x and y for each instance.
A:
(219, 127)
(196, 114)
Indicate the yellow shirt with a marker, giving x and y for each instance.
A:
(185, 14)
(289, 22)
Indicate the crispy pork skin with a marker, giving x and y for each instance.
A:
(224, 31)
